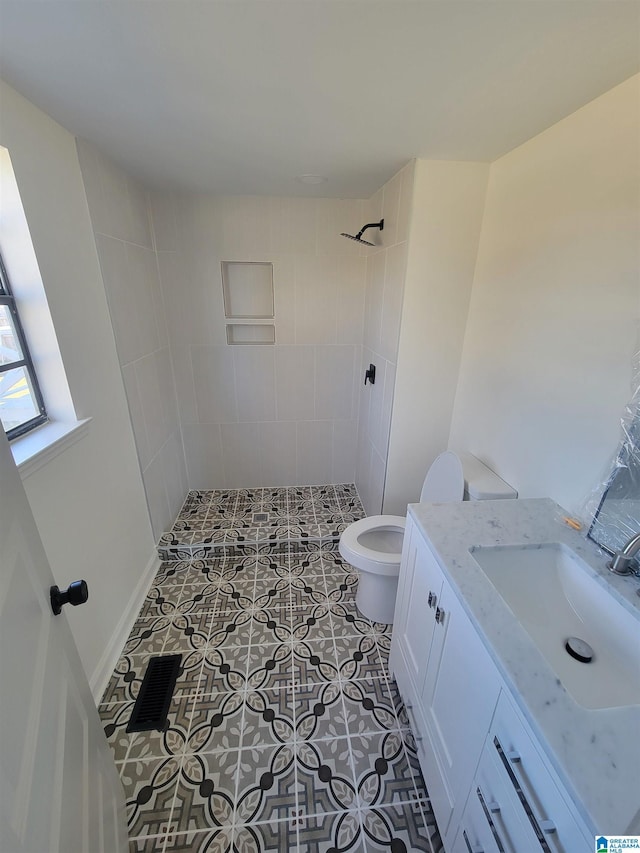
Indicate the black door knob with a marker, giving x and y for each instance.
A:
(76, 593)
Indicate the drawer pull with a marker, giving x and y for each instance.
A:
(431, 601)
(493, 807)
(469, 847)
(514, 757)
(439, 615)
(412, 719)
(540, 827)
(492, 825)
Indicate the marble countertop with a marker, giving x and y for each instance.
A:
(595, 752)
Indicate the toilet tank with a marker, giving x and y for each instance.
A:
(481, 483)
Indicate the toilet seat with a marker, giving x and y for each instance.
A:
(352, 547)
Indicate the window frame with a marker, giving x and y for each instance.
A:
(7, 298)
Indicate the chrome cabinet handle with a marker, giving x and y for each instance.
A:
(540, 827)
(487, 813)
(469, 847)
(439, 615)
(432, 599)
(409, 708)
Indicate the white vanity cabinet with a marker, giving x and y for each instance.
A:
(446, 678)
(489, 785)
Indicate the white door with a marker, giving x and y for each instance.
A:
(59, 789)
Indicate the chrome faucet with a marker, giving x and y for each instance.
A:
(621, 562)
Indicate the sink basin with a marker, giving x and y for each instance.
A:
(550, 591)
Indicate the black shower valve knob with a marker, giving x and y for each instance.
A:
(370, 375)
(75, 594)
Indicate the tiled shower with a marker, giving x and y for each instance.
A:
(286, 731)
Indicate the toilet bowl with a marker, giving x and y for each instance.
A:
(373, 545)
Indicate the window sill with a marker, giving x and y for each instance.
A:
(37, 448)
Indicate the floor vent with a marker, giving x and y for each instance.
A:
(156, 691)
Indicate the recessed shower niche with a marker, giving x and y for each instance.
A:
(247, 289)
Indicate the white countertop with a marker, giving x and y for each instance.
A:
(595, 752)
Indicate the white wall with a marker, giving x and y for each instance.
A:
(386, 268)
(448, 202)
(124, 238)
(546, 369)
(88, 502)
(265, 415)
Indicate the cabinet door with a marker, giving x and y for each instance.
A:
(458, 697)
(475, 834)
(414, 620)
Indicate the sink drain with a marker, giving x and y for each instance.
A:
(579, 649)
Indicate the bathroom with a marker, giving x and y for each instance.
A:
(499, 307)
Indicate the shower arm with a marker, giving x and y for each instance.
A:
(379, 225)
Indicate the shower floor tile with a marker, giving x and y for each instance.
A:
(285, 731)
(217, 521)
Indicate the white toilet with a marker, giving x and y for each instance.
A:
(373, 545)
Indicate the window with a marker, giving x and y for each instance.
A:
(21, 404)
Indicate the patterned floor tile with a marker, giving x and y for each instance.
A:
(368, 706)
(216, 723)
(268, 717)
(325, 777)
(328, 833)
(401, 828)
(266, 784)
(272, 837)
(149, 788)
(381, 769)
(147, 636)
(319, 712)
(314, 661)
(206, 791)
(171, 741)
(284, 733)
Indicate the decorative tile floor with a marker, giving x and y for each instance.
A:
(214, 523)
(286, 732)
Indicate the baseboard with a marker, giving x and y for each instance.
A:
(102, 673)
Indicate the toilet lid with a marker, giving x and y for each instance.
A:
(444, 481)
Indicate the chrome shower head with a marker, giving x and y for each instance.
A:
(358, 236)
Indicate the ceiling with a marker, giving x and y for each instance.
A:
(241, 96)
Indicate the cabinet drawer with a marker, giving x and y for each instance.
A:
(550, 815)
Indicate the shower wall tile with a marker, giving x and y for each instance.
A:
(374, 299)
(295, 383)
(140, 310)
(157, 501)
(214, 383)
(162, 208)
(292, 225)
(185, 386)
(255, 383)
(284, 281)
(136, 412)
(385, 276)
(335, 216)
(314, 451)
(241, 455)
(174, 473)
(350, 279)
(391, 209)
(203, 452)
(334, 382)
(151, 398)
(394, 276)
(112, 254)
(277, 448)
(316, 318)
(343, 462)
(142, 270)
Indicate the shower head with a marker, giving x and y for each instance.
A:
(358, 236)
